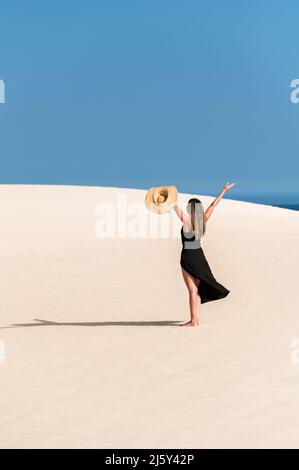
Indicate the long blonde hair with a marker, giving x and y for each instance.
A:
(198, 222)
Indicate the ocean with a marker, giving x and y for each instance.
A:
(286, 201)
(294, 207)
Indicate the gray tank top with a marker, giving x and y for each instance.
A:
(188, 240)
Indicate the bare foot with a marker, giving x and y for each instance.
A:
(191, 323)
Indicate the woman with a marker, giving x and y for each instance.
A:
(198, 277)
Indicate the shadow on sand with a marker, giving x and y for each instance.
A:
(104, 323)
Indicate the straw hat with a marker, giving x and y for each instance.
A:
(161, 199)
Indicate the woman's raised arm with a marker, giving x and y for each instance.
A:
(181, 215)
(210, 209)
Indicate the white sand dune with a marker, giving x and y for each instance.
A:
(93, 353)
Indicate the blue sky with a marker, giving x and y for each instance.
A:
(142, 93)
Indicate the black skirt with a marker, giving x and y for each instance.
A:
(193, 261)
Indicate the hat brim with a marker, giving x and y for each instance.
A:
(166, 206)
